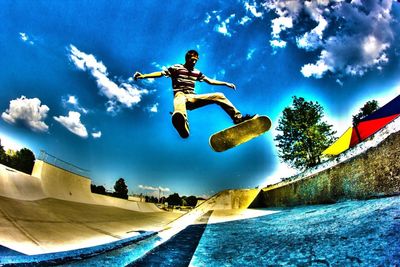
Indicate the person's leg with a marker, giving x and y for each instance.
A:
(179, 117)
(197, 101)
(180, 103)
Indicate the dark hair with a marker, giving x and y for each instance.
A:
(191, 53)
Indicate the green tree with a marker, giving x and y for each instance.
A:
(184, 202)
(163, 199)
(151, 199)
(24, 160)
(10, 159)
(120, 189)
(174, 200)
(3, 155)
(191, 201)
(304, 136)
(366, 110)
(98, 189)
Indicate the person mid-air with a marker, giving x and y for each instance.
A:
(183, 78)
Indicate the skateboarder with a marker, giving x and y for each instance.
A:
(183, 78)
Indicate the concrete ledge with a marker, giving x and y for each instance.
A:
(374, 173)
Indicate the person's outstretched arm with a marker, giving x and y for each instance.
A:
(216, 82)
(139, 75)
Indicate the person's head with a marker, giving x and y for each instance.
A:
(191, 57)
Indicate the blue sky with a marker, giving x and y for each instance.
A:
(66, 80)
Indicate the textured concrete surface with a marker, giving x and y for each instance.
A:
(51, 225)
(373, 173)
(176, 250)
(350, 233)
(54, 210)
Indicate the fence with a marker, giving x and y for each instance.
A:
(53, 160)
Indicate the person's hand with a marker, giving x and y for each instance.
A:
(137, 76)
(231, 85)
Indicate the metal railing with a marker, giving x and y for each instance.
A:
(53, 160)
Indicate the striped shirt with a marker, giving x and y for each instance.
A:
(183, 80)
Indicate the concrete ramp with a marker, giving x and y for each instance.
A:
(54, 210)
(233, 199)
(18, 185)
(53, 225)
(55, 182)
(61, 184)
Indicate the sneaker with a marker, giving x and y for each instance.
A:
(241, 119)
(180, 124)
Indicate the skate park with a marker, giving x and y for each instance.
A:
(343, 213)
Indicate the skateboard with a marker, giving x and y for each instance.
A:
(240, 133)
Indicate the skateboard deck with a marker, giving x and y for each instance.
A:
(240, 133)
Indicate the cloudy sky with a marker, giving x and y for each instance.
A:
(66, 81)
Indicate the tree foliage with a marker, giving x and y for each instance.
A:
(98, 189)
(121, 189)
(366, 110)
(174, 200)
(2, 154)
(24, 160)
(304, 136)
(21, 160)
(191, 201)
(151, 199)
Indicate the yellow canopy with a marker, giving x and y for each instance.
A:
(341, 144)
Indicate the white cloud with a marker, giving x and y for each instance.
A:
(339, 82)
(96, 134)
(207, 19)
(73, 123)
(28, 110)
(73, 101)
(317, 70)
(357, 41)
(285, 8)
(281, 24)
(221, 26)
(159, 66)
(112, 107)
(250, 53)
(125, 94)
(253, 9)
(164, 189)
(277, 43)
(244, 20)
(152, 188)
(312, 40)
(150, 80)
(372, 48)
(154, 108)
(25, 38)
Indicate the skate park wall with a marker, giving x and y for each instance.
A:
(18, 185)
(374, 173)
(233, 199)
(49, 181)
(61, 184)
